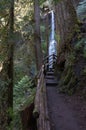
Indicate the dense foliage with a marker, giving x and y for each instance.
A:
(24, 92)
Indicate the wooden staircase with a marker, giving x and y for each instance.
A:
(50, 76)
(45, 78)
(51, 79)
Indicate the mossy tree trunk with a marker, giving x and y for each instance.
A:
(6, 76)
(37, 37)
(66, 22)
(67, 25)
(47, 32)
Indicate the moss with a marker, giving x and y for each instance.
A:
(84, 71)
(72, 20)
(70, 92)
(69, 88)
(67, 77)
(62, 89)
(79, 44)
(71, 85)
(84, 51)
(77, 28)
(71, 57)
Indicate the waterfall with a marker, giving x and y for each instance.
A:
(52, 25)
(52, 41)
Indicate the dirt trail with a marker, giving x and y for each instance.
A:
(65, 111)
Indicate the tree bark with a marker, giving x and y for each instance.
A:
(37, 37)
(6, 76)
(47, 32)
(66, 21)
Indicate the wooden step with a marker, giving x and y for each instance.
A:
(50, 73)
(51, 82)
(50, 77)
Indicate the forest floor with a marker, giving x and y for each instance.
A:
(66, 112)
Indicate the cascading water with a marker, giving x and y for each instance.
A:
(52, 25)
(52, 41)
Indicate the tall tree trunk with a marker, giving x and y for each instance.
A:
(66, 22)
(37, 37)
(47, 32)
(11, 50)
(6, 76)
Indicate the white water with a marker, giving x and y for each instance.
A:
(52, 26)
(52, 42)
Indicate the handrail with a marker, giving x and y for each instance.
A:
(49, 61)
(40, 102)
(40, 79)
(40, 76)
(49, 57)
(46, 63)
(40, 71)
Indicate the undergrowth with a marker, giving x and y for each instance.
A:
(24, 92)
(72, 77)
